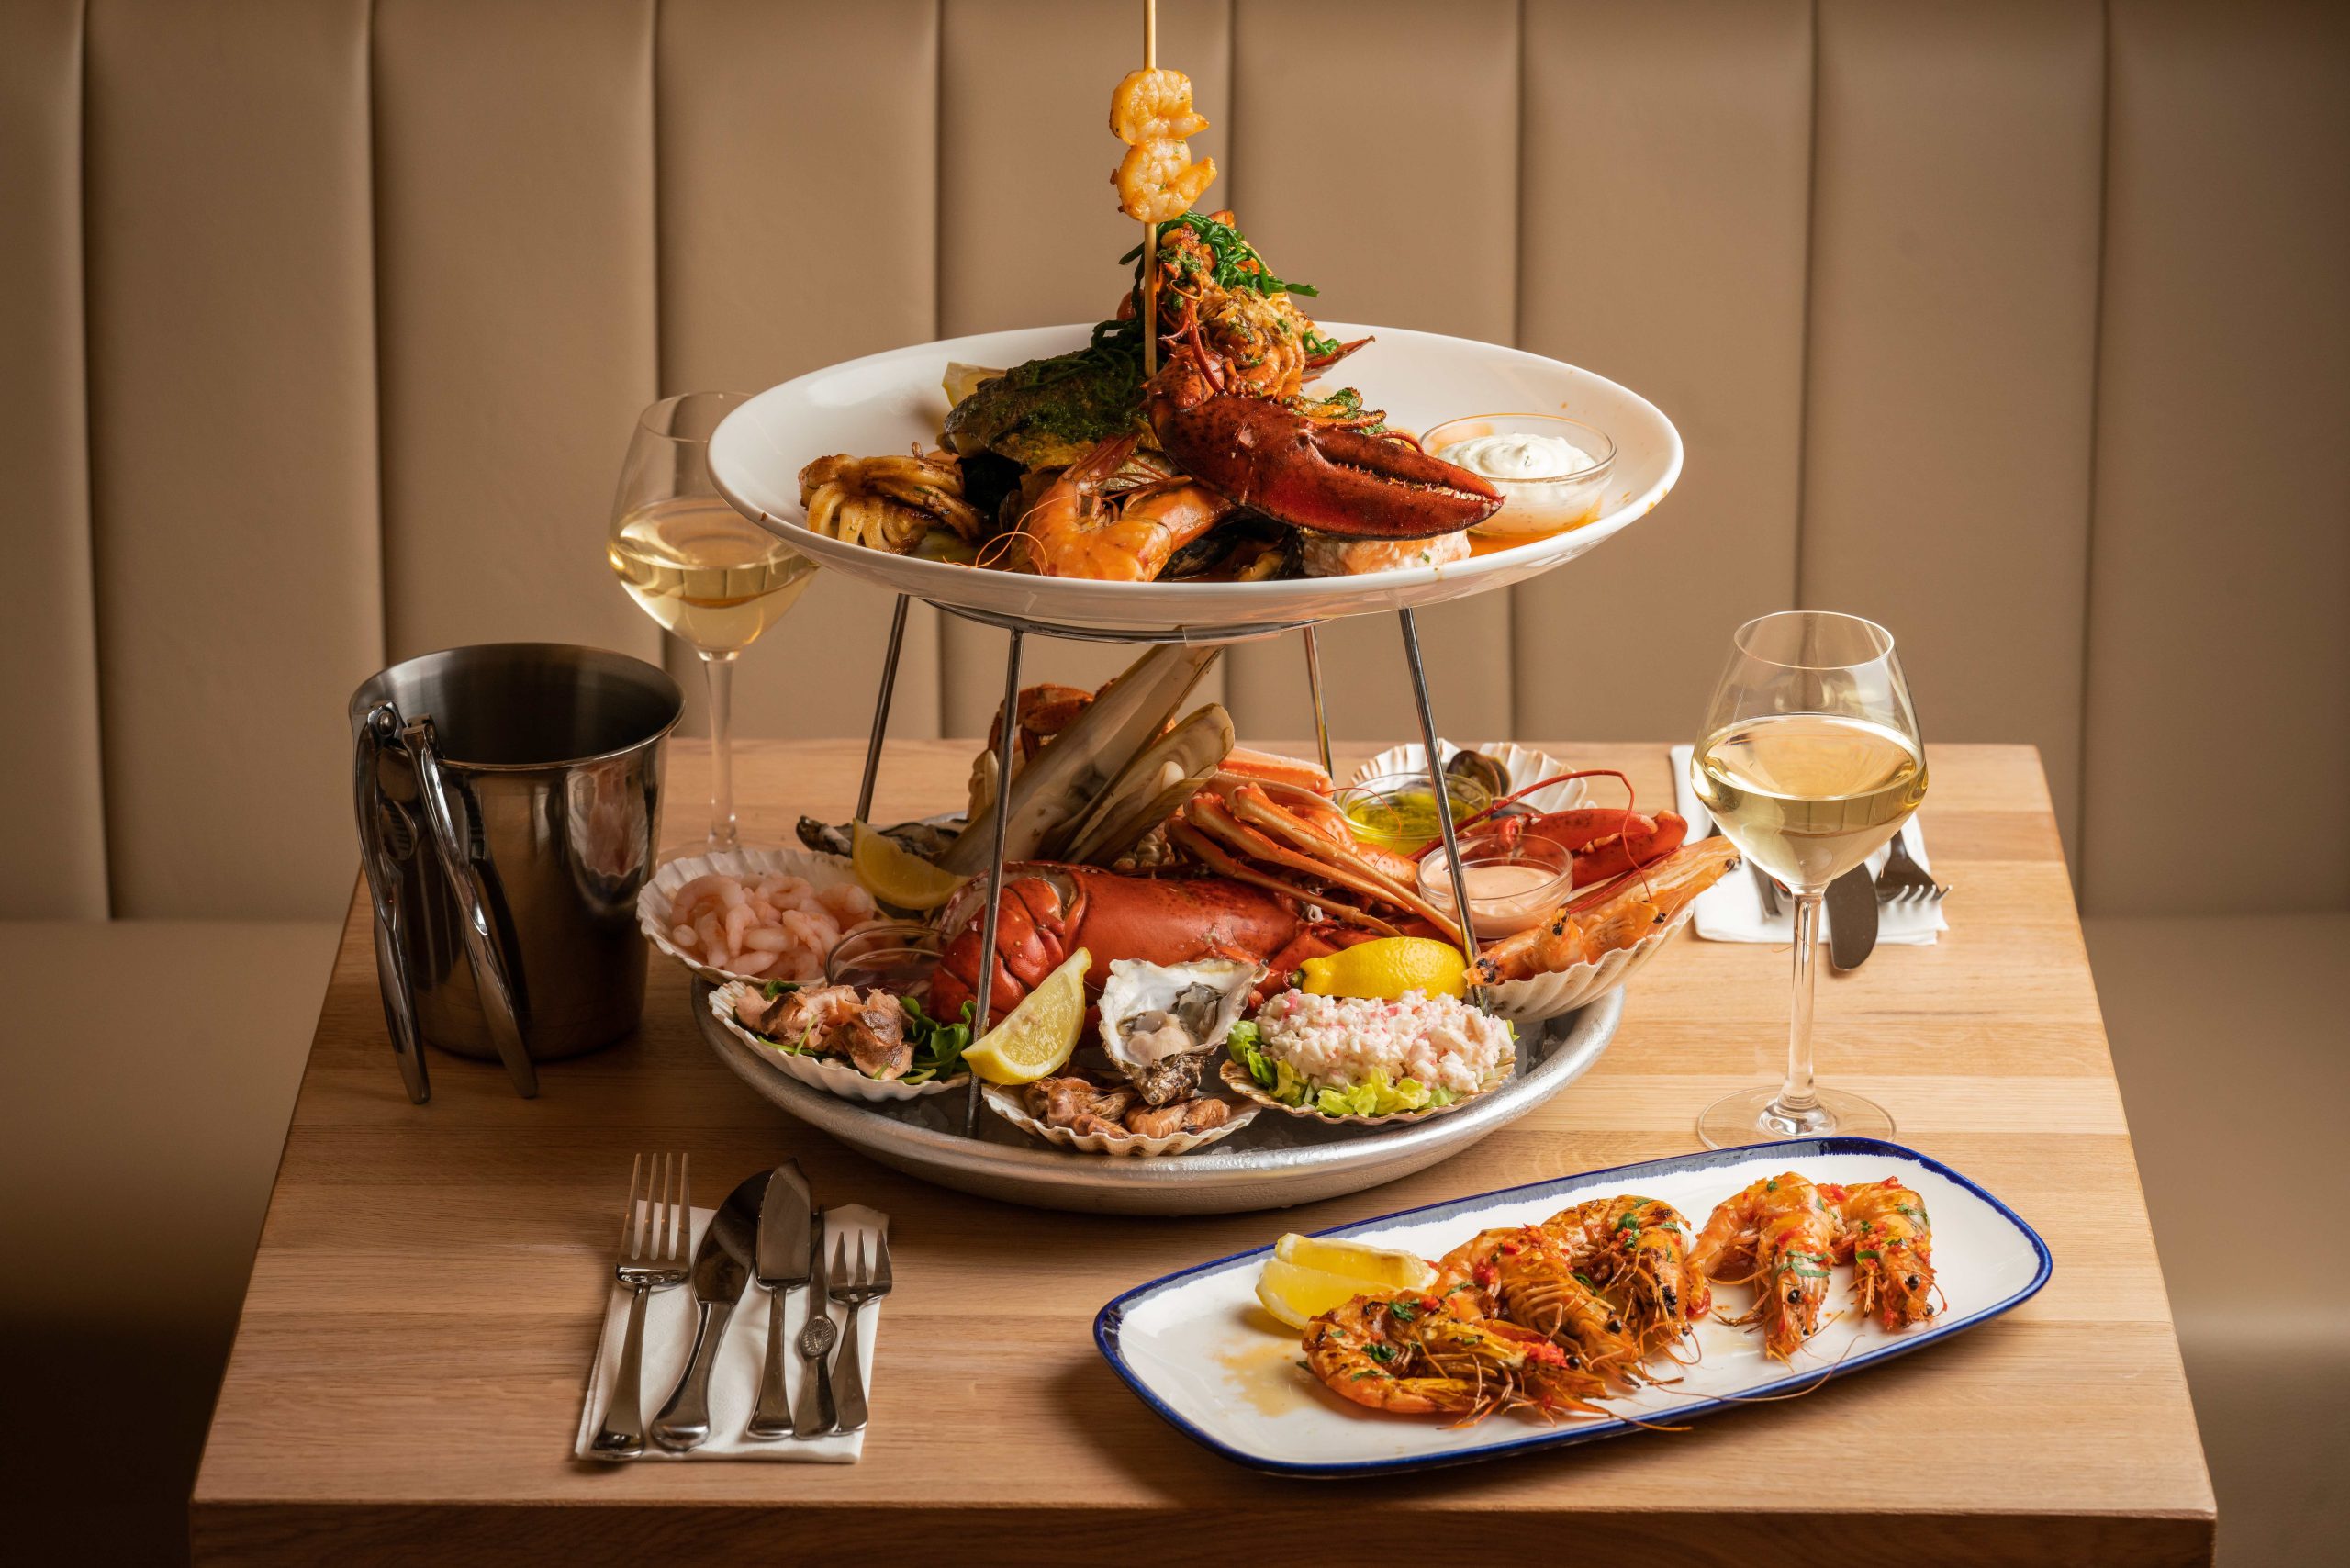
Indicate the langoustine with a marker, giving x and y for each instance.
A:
(1410, 1355)
(1889, 1242)
(1781, 1235)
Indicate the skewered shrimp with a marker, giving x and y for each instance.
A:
(1406, 1354)
(1782, 1234)
(1157, 182)
(1154, 105)
(1890, 1243)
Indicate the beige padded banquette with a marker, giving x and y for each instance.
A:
(2019, 325)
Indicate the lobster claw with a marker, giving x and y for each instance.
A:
(1308, 475)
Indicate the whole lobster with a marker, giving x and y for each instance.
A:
(1049, 910)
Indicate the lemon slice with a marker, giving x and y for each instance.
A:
(1388, 1266)
(897, 876)
(1037, 1036)
(1297, 1296)
(1386, 969)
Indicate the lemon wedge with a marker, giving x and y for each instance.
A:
(1386, 969)
(1298, 1295)
(1037, 1036)
(898, 876)
(1389, 1266)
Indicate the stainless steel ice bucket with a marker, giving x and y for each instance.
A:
(508, 798)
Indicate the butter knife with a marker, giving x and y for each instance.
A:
(721, 1268)
(815, 1416)
(1851, 917)
(782, 1268)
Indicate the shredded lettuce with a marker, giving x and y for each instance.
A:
(1377, 1097)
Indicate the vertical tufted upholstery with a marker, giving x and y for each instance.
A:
(232, 437)
(2018, 324)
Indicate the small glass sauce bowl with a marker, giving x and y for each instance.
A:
(1531, 508)
(1397, 811)
(1526, 879)
(895, 956)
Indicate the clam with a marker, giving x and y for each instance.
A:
(1479, 769)
(1160, 1023)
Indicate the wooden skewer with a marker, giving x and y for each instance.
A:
(1150, 231)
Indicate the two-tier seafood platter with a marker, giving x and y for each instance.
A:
(1149, 968)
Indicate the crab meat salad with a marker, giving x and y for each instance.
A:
(1349, 1056)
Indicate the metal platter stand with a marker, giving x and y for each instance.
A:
(1017, 628)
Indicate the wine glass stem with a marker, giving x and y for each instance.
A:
(1798, 1095)
(720, 669)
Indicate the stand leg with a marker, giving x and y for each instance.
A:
(1314, 685)
(881, 712)
(1443, 800)
(1009, 739)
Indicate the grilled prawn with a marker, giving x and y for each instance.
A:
(1781, 1235)
(1890, 1245)
(1408, 1355)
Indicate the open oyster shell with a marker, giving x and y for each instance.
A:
(1161, 1023)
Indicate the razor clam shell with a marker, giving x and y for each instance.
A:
(1006, 1103)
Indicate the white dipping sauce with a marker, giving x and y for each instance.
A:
(1517, 456)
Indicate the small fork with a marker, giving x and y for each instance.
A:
(1903, 880)
(654, 1232)
(869, 1282)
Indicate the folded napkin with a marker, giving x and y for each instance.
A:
(1731, 909)
(742, 1356)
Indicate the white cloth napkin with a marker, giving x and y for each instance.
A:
(1731, 909)
(742, 1356)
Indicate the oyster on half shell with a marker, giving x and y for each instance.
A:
(1161, 1022)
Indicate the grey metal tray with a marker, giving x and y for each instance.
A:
(1273, 1162)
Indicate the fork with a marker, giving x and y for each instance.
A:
(869, 1282)
(1903, 880)
(654, 1231)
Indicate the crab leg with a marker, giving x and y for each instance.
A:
(1322, 858)
(1215, 856)
(1393, 878)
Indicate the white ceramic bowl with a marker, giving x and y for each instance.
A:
(653, 899)
(827, 1073)
(1005, 1103)
(885, 402)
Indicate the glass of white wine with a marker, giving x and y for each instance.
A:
(709, 575)
(1809, 760)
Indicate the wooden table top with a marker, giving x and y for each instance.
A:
(409, 1368)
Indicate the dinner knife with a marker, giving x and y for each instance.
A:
(782, 1268)
(1851, 917)
(721, 1268)
(816, 1416)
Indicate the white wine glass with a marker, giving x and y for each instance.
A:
(1809, 760)
(709, 575)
